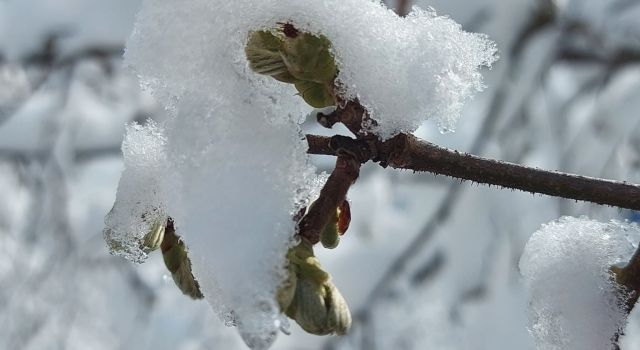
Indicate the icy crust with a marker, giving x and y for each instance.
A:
(140, 199)
(573, 303)
(403, 70)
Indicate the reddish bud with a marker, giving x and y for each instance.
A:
(289, 30)
(344, 217)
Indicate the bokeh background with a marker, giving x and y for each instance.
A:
(428, 263)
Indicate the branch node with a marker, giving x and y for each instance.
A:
(327, 120)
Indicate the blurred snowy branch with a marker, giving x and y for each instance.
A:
(563, 96)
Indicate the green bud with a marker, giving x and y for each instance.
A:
(317, 305)
(263, 52)
(330, 237)
(302, 59)
(308, 57)
(310, 307)
(154, 237)
(319, 308)
(176, 259)
(307, 266)
(339, 316)
(317, 95)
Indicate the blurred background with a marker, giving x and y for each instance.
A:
(428, 263)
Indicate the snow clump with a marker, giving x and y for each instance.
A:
(573, 301)
(233, 167)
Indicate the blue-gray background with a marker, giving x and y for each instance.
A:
(428, 263)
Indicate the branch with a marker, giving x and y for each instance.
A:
(406, 151)
(332, 194)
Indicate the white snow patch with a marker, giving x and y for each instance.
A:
(573, 303)
(403, 70)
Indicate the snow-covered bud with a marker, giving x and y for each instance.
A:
(297, 58)
(263, 52)
(153, 239)
(308, 57)
(178, 263)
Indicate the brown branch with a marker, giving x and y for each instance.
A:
(402, 8)
(332, 194)
(406, 151)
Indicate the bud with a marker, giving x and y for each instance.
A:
(344, 217)
(317, 305)
(310, 307)
(186, 282)
(176, 259)
(154, 237)
(307, 266)
(339, 316)
(317, 95)
(308, 57)
(263, 52)
(329, 237)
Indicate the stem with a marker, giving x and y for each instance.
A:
(406, 151)
(332, 194)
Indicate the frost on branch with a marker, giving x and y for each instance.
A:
(573, 303)
(236, 167)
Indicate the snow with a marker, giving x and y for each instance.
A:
(403, 70)
(573, 303)
(234, 167)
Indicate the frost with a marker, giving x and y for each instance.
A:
(573, 303)
(235, 166)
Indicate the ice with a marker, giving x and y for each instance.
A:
(140, 200)
(573, 303)
(236, 166)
